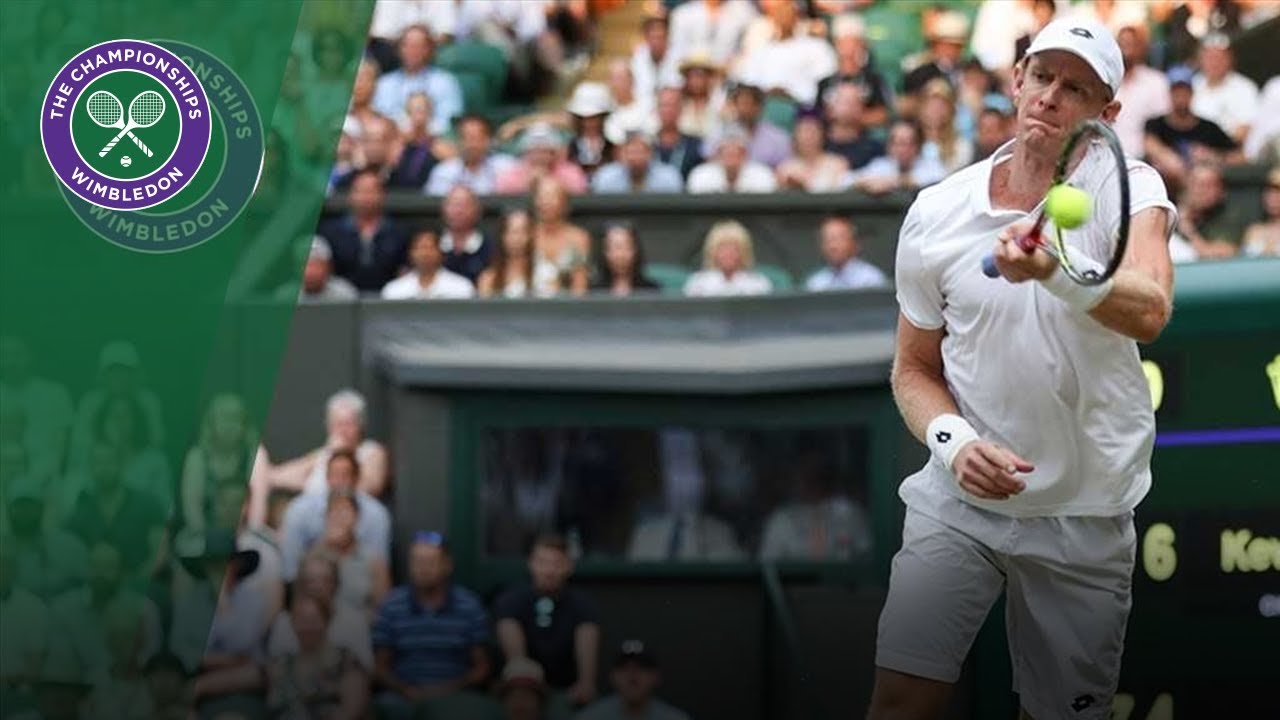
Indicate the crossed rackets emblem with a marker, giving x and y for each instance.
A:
(145, 110)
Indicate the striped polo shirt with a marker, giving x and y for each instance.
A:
(430, 645)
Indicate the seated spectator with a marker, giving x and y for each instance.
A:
(943, 143)
(220, 623)
(121, 690)
(786, 59)
(703, 95)
(48, 561)
(902, 168)
(635, 681)
(588, 108)
(1176, 141)
(522, 691)
(552, 623)
(769, 144)
(947, 35)
(429, 637)
(542, 155)
(167, 687)
(44, 405)
(26, 622)
(846, 135)
(995, 128)
(561, 250)
(510, 274)
(978, 90)
(428, 279)
(83, 613)
(111, 511)
(653, 64)
(369, 249)
(635, 170)
(362, 111)
(345, 423)
(225, 453)
(120, 374)
(838, 243)
(853, 66)
(820, 523)
(631, 111)
(318, 679)
(1214, 228)
(727, 262)
(416, 50)
(1143, 93)
(713, 27)
(1042, 11)
(304, 522)
(996, 30)
(620, 262)
(391, 19)
(464, 243)
(348, 626)
(319, 284)
(1222, 95)
(476, 166)
(1263, 143)
(363, 576)
(531, 48)
(811, 168)
(121, 423)
(420, 150)
(1263, 237)
(730, 170)
(671, 145)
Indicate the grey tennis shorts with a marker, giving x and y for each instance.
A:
(1068, 582)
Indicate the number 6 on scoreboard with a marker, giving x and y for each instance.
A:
(1159, 558)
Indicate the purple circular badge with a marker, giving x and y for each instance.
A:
(125, 122)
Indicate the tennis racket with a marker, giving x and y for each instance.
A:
(145, 110)
(1074, 256)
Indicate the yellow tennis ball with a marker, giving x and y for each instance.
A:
(1069, 207)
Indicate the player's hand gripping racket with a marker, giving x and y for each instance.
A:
(1082, 266)
(144, 111)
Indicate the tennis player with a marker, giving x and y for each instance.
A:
(1029, 393)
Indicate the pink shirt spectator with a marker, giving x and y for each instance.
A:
(1143, 95)
(518, 178)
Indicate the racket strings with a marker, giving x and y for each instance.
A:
(146, 109)
(104, 108)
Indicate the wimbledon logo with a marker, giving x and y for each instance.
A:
(144, 160)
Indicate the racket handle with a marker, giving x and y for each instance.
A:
(107, 149)
(989, 266)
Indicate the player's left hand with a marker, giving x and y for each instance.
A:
(1016, 264)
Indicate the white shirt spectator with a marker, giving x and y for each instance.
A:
(1231, 103)
(710, 178)
(391, 18)
(650, 76)
(1123, 14)
(856, 273)
(832, 529)
(636, 117)
(483, 179)
(692, 26)
(996, 30)
(926, 171)
(348, 630)
(713, 283)
(446, 285)
(1143, 95)
(1266, 125)
(795, 65)
(526, 18)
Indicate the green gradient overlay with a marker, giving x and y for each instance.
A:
(207, 321)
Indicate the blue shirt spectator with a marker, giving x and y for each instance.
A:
(902, 168)
(416, 75)
(838, 243)
(304, 521)
(636, 171)
(475, 167)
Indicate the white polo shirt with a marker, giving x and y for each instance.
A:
(1052, 385)
(1231, 103)
(446, 284)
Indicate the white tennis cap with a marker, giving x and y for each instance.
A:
(1087, 39)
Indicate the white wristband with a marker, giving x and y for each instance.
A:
(947, 435)
(1081, 298)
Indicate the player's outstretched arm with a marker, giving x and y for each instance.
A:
(1141, 298)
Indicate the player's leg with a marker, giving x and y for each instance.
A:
(1070, 583)
(942, 585)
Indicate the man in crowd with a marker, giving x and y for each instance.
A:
(770, 144)
(730, 170)
(552, 623)
(635, 170)
(466, 248)
(652, 62)
(635, 678)
(429, 279)
(429, 637)
(348, 626)
(1175, 141)
(670, 145)
(304, 521)
(902, 168)
(417, 48)
(1214, 228)
(853, 65)
(838, 243)
(378, 151)
(541, 155)
(948, 33)
(1144, 92)
(846, 134)
(109, 511)
(368, 248)
(994, 129)
(475, 167)
(1221, 94)
(319, 284)
(780, 56)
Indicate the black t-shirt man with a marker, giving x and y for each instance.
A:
(1203, 132)
(549, 625)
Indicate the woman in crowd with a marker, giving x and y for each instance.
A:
(811, 168)
(225, 453)
(620, 262)
(363, 576)
(122, 423)
(703, 96)
(510, 273)
(345, 423)
(938, 121)
(317, 681)
(727, 262)
(1263, 237)
(588, 109)
(561, 249)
